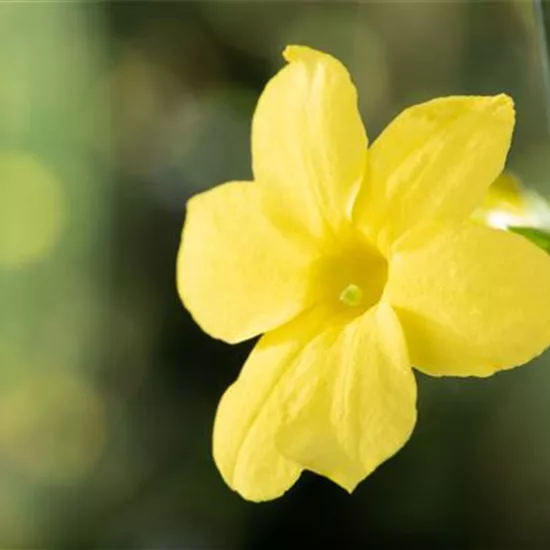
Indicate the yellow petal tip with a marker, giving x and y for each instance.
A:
(502, 105)
(349, 488)
(300, 53)
(503, 99)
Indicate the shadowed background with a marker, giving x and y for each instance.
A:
(111, 116)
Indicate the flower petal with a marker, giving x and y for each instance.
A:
(435, 161)
(249, 414)
(242, 269)
(350, 403)
(472, 300)
(308, 140)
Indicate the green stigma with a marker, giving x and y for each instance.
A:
(351, 295)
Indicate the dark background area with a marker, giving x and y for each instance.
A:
(112, 116)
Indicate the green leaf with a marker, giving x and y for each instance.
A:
(536, 236)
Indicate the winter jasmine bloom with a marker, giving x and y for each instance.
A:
(509, 204)
(355, 263)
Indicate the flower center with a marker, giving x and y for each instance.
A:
(351, 295)
(352, 276)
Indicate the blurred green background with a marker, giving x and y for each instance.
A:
(111, 116)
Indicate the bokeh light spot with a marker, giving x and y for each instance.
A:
(31, 210)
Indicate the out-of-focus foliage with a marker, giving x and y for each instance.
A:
(111, 116)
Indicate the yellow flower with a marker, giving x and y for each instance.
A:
(509, 204)
(355, 264)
